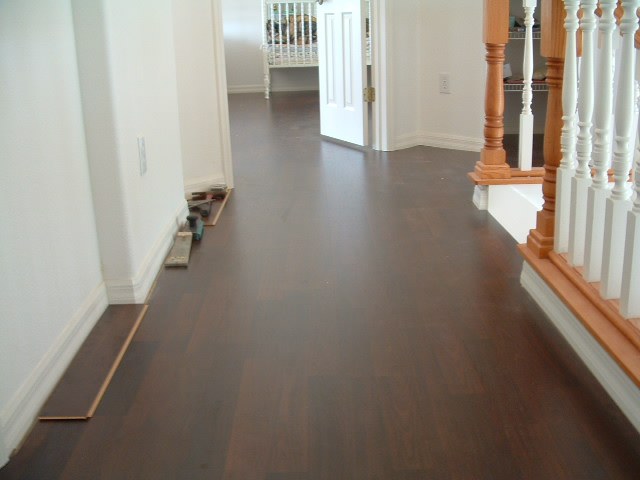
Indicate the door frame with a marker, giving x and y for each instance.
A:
(380, 73)
(223, 100)
(380, 64)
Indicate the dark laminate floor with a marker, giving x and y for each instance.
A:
(352, 316)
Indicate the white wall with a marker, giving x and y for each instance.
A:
(242, 38)
(405, 39)
(127, 69)
(452, 44)
(425, 39)
(202, 131)
(51, 285)
(80, 81)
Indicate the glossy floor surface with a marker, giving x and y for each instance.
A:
(352, 316)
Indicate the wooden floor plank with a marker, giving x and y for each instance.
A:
(85, 381)
(217, 209)
(352, 317)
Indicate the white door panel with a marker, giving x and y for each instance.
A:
(342, 70)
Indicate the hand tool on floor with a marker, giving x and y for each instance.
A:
(196, 226)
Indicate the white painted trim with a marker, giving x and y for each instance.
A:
(617, 384)
(202, 183)
(438, 140)
(406, 141)
(516, 208)
(21, 411)
(260, 89)
(223, 100)
(453, 142)
(136, 289)
(380, 66)
(4, 450)
(481, 197)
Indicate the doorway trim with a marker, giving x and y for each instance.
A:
(381, 80)
(381, 65)
(222, 99)
(380, 77)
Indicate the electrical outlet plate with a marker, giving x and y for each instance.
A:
(445, 83)
(142, 155)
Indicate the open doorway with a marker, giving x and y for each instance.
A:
(272, 47)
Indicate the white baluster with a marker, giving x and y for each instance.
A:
(582, 179)
(280, 35)
(568, 140)
(618, 204)
(267, 47)
(630, 294)
(598, 192)
(525, 149)
(288, 23)
(295, 33)
(304, 36)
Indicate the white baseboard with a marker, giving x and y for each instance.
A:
(617, 384)
(260, 88)
(438, 140)
(4, 450)
(481, 197)
(232, 89)
(202, 183)
(516, 208)
(136, 289)
(19, 414)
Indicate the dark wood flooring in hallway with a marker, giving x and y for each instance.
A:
(352, 316)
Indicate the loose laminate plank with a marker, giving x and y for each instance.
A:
(85, 381)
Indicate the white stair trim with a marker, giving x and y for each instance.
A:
(617, 384)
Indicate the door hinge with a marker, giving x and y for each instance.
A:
(369, 94)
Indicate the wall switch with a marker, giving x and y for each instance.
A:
(142, 156)
(445, 83)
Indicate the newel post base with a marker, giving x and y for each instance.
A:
(539, 244)
(541, 239)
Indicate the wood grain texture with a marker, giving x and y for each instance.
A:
(351, 316)
(216, 210)
(541, 239)
(493, 160)
(82, 386)
(552, 44)
(496, 21)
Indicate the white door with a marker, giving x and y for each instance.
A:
(342, 70)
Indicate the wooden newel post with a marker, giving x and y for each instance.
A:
(493, 159)
(541, 239)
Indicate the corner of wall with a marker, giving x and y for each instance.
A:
(17, 417)
(135, 290)
(202, 183)
(437, 140)
(223, 100)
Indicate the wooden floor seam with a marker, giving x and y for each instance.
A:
(351, 317)
(107, 381)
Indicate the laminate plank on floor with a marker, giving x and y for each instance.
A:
(84, 382)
